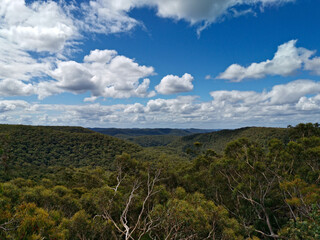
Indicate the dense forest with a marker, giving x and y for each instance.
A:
(74, 183)
(150, 137)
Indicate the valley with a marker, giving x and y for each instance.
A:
(75, 183)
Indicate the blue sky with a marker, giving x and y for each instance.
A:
(160, 63)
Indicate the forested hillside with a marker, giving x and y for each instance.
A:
(130, 132)
(28, 149)
(218, 140)
(267, 189)
(150, 137)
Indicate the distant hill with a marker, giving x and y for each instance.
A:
(150, 137)
(151, 140)
(218, 140)
(122, 132)
(30, 148)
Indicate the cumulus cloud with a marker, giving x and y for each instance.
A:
(309, 104)
(171, 84)
(18, 64)
(12, 105)
(289, 93)
(284, 104)
(104, 73)
(293, 91)
(40, 26)
(36, 39)
(287, 60)
(72, 77)
(10, 87)
(313, 65)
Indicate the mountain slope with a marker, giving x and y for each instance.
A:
(150, 137)
(219, 139)
(126, 132)
(27, 148)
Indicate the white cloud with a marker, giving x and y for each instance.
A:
(99, 56)
(171, 84)
(289, 93)
(19, 65)
(43, 27)
(293, 91)
(135, 108)
(208, 77)
(12, 105)
(284, 104)
(235, 97)
(104, 73)
(10, 87)
(194, 11)
(36, 40)
(40, 26)
(110, 16)
(313, 65)
(73, 77)
(105, 16)
(309, 104)
(286, 61)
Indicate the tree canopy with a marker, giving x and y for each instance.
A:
(249, 191)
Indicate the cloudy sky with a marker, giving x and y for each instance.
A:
(160, 63)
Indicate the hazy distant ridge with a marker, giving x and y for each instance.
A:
(150, 131)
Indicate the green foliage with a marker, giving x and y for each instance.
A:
(188, 215)
(71, 183)
(218, 140)
(150, 137)
(135, 132)
(307, 228)
(152, 140)
(32, 150)
(303, 130)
